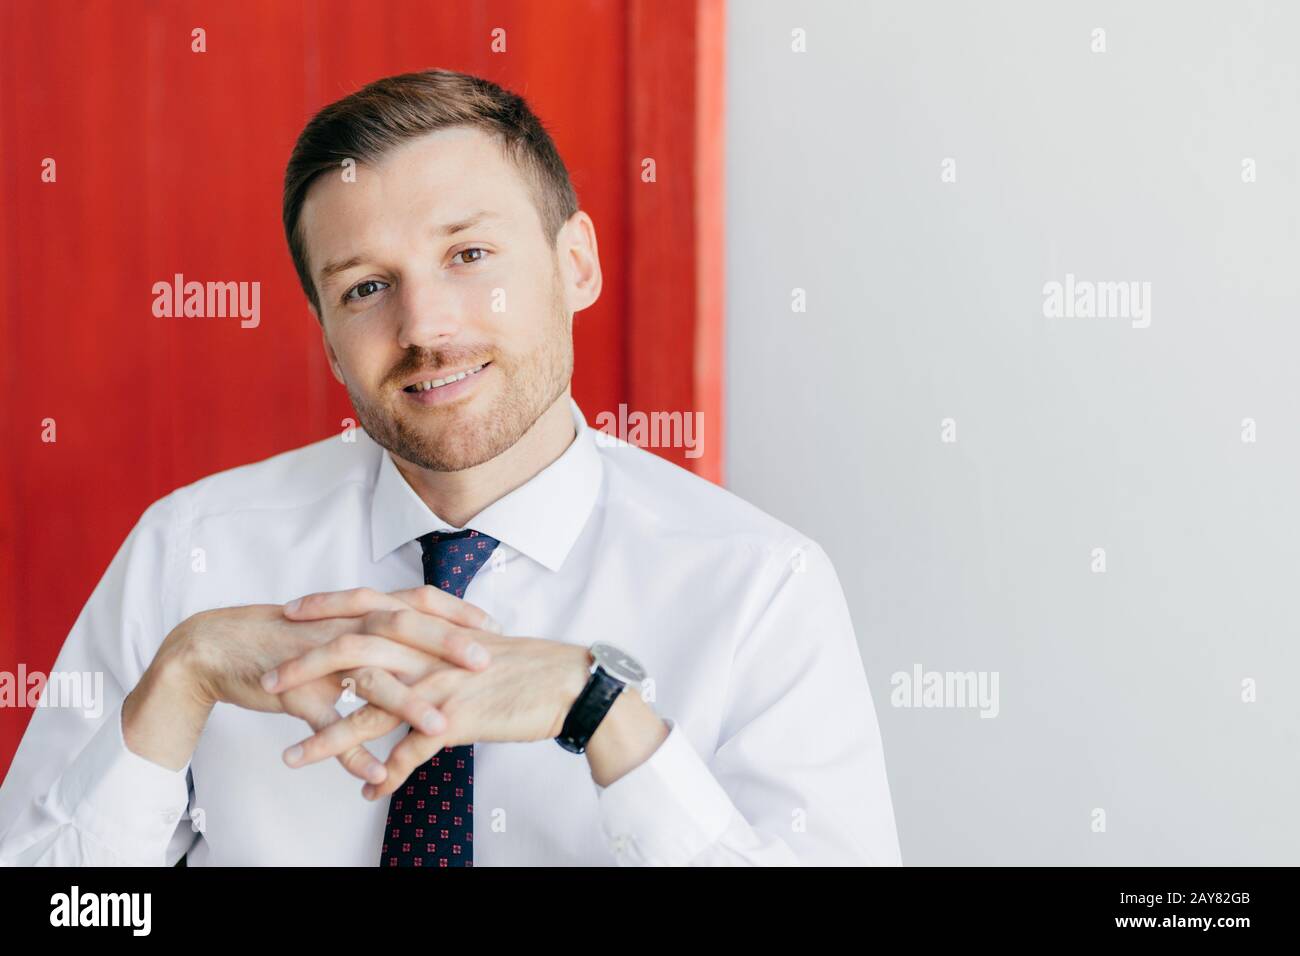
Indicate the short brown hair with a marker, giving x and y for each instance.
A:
(384, 114)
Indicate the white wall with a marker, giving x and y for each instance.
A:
(1119, 690)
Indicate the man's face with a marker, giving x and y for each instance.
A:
(407, 298)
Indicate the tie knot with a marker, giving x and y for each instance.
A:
(452, 558)
(436, 541)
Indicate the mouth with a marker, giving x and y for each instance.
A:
(429, 385)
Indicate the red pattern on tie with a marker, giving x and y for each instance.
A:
(442, 789)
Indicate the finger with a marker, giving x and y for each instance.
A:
(351, 603)
(412, 751)
(346, 652)
(310, 706)
(342, 739)
(320, 717)
(436, 601)
(389, 703)
(412, 704)
(416, 747)
(433, 635)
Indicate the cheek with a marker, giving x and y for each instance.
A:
(527, 321)
(364, 355)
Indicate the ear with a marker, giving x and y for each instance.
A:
(330, 355)
(579, 262)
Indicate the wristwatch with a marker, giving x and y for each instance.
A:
(611, 673)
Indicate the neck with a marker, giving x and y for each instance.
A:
(457, 496)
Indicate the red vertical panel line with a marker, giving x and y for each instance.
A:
(710, 231)
(675, 229)
(13, 432)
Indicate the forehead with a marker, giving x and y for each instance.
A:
(436, 178)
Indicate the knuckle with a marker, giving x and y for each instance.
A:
(294, 704)
(435, 685)
(436, 631)
(367, 719)
(367, 679)
(349, 644)
(354, 760)
(405, 619)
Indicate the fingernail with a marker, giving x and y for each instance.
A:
(269, 679)
(431, 722)
(376, 773)
(293, 606)
(367, 791)
(492, 624)
(477, 654)
(293, 754)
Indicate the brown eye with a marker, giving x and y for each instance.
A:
(481, 252)
(363, 290)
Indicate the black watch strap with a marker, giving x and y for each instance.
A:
(589, 710)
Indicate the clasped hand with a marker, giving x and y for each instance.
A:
(427, 658)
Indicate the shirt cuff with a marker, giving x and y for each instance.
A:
(667, 810)
(120, 799)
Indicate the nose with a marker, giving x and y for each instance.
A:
(429, 315)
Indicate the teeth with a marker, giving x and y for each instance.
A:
(439, 382)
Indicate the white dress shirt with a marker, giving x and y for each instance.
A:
(773, 755)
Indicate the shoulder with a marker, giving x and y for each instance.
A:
(774, 579)
(284, 481)
(661, 498)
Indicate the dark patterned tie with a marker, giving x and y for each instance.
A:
(431, 816)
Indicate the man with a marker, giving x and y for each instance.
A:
(494, 609)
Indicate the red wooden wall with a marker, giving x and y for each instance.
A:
(171, 161)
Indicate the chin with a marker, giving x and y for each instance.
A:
(462, 434)
(456, 438)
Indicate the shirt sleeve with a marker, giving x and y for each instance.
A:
(798, 776)
(74, 794)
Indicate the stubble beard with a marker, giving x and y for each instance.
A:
(452, 439)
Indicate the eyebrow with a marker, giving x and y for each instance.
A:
(331, 269)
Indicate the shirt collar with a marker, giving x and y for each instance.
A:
(541, 519)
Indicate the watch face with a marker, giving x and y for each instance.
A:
(618, 663)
